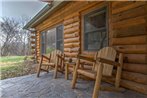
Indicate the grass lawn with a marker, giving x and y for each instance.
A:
(13, 66)
(11, 59)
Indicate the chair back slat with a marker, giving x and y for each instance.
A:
(59, 60)
(54, 58)
(107, 53)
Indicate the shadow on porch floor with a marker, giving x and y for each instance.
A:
(46, 87)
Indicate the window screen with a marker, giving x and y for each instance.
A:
(43, 44)
(59, 38)
(52, 39)
(95, 33)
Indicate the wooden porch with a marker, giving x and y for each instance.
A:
(47, 87)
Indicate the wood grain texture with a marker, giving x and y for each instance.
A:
(137, 40)
(127, 23)
(132, 76)
(135, 30)
(136, 58)
(137, 68)
(132, 49)
(127, 7)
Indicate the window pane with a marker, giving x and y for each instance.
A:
(95, 35)
(43, 43)
(59, 38)
(50, 41)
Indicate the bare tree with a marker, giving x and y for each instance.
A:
(14, 39)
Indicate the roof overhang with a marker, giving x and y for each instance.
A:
(44, 13)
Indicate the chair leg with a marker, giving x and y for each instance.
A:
(75, 73)
(55, 73)
(38, 70)
(98, 81)
(66, 71)
(119, 71)
(47, 69)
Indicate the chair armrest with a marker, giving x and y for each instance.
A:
(61, 57)
(43, 56)
(106, 61)
(86, 58)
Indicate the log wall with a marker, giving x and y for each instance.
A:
(127, 33)
(72, 36)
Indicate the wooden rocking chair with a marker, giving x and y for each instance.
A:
(104, 61)
(55, 60)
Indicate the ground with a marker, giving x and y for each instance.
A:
(14, 66)
(46, 87)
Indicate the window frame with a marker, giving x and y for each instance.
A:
(99, 8)
(45, 31)
(62, 36)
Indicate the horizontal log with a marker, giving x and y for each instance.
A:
(129, 85)
(72, 40)
(138, 68)
(130, 40)
(71, 49)
(71, 30)
(127, 7)
(75, 34)
(33, 47)
(71, 20)
(33, 32)
(136, 58)
(33, 42)
(71, 15)
(129, 22)
(71, 45)
(71, 25)
(116, 4)
(132, 49)
(129, 14)
(71, 54)
(131, 76)
(134, 86)
(33, 37)
(73, 59)
(38, 47)
(130, 31)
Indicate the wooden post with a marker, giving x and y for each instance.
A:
(66, 71)
(119, 71)
(75, 73)
(98, 80)
(39, 67)
(56, 67)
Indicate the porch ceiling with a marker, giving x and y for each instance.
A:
(44, 13)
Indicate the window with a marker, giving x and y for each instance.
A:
(43, 43)
(59, 38)
(52, 39)
(95, 33)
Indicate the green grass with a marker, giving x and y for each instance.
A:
(10, 67)
(13, 66)
(11, 59)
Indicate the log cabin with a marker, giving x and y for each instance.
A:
(87, 26)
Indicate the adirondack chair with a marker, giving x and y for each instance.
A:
(55, 60)
(104, 61)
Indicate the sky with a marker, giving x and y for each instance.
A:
(20, 8)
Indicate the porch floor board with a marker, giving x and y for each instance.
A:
(46, 87)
